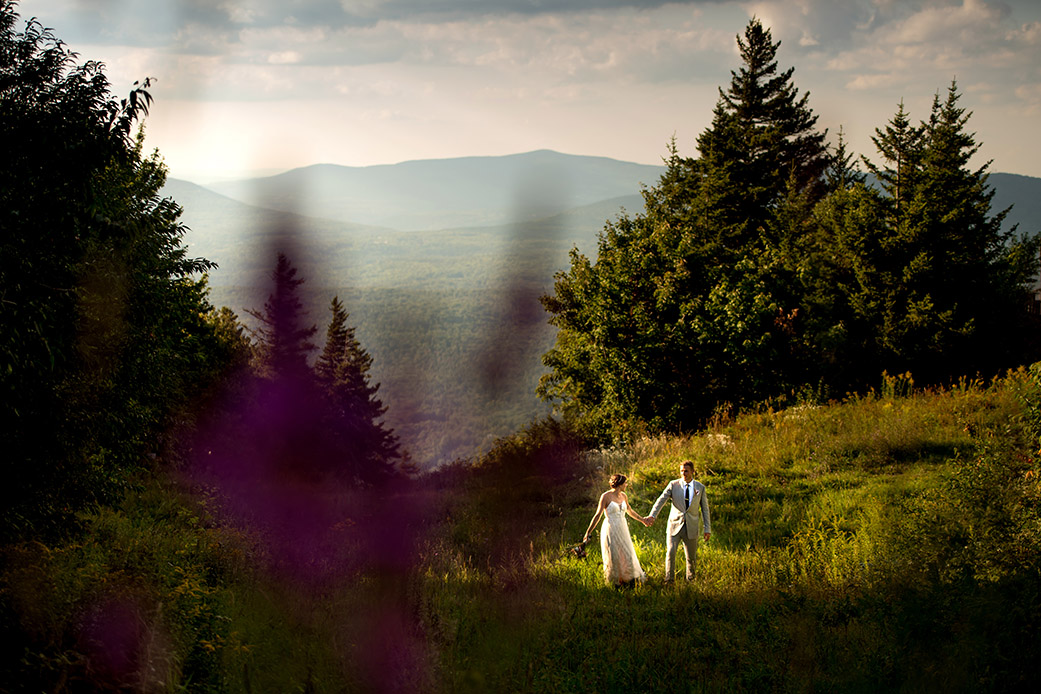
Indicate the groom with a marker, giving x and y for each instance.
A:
(689, 503)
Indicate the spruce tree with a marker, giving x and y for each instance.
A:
(900, 145)
(355, 412)
(842, 171)
(283, 341)
(977, 272)
(762, 140)
(935, 286)
(690, 305)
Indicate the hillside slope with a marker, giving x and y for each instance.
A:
(888, 543)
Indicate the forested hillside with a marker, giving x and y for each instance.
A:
(428, 303)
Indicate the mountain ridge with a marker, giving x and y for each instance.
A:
(495, 190)
(428, 194)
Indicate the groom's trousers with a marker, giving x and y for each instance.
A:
(690, 551)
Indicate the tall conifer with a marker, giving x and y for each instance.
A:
(939, 287)
(284, 341)
(900, 145)
(683, 307)
(355, 411)
(763, 136)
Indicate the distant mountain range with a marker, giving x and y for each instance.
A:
(440, 263)
(446, 193)
(1023, 195)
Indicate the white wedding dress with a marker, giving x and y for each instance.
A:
(616, 545)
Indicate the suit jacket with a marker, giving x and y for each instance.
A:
(680, 518)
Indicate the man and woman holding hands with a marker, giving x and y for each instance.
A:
(688, 505)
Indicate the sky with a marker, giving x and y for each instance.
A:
(253, 87)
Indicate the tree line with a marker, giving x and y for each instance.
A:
(774, 266)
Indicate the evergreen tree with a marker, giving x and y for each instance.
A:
(690, 305)
(762, 140)
(841, 277)
(900, 144)
(928, 281)
(972, 270)
(283, 341)
(355, 411)
(842, 173)
(769, 263)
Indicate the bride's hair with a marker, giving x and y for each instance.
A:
(617, 480)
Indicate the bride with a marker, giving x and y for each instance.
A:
(621, 566)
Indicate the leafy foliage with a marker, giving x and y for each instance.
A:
(104, 333)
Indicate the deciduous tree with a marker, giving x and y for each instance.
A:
(102, 334)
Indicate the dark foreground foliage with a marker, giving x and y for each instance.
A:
(892, 542)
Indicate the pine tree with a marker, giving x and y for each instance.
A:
(689, 304)
(900, 145)
(355, 411)
(283, 342)
(934, 284)
(762, 137)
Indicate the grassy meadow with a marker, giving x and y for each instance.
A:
(891, 542)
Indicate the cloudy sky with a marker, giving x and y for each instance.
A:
(257, 86)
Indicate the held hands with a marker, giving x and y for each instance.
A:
(648, 521)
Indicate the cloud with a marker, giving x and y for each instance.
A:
(144, 20)
(454, 10)
(536, 53)
(484, 63)
(1030, 93)
(875, 81)
(882, 45)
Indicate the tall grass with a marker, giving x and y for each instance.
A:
(890, 542)
(850, 552)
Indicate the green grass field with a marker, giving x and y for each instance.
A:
(891, 542)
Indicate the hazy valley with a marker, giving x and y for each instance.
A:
(440, 264)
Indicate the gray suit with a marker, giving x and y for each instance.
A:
(683, 523)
